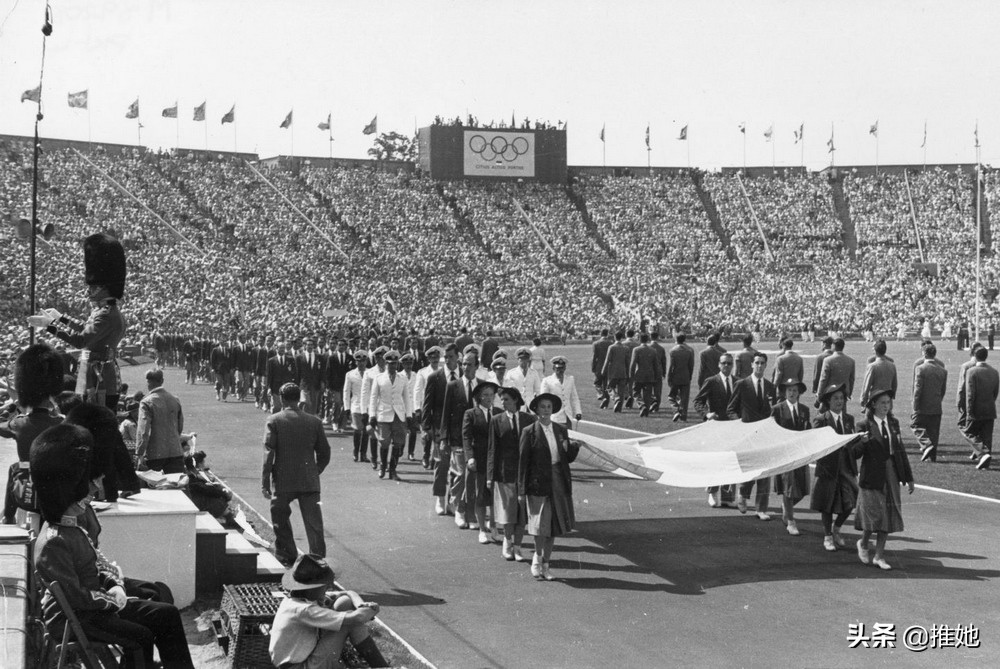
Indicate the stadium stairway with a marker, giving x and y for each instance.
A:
(185, 191)
(335, 217)
(464, 222)
(224, 557)
(591, 227)
(842, 209)
(714, 220)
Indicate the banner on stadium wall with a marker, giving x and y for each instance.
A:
(487, 153)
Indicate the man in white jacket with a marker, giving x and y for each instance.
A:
(564, 386)
(390, 412)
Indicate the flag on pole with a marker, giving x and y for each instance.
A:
(133, 110)
(288, 121)
(743, 128)
(873, 130)
(513, 121)
(77, 100)
(975, 134)
(602, 133)
(230, 116)
(684, 134)
(389, 305)
(34, 95)
(829, 143)
(924, 143)
(325, 125)
(372, 127)
(647, 135)
(798, 133)
(170, 112)
(769, 133)
(199, 111)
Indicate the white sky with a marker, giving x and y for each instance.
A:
(706, 64)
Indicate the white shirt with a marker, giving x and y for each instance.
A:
(420, 385)
(390, 398)
(727, 381)
(793, 407)
(838, 417)
(527, 383)
(550, 437)
(352, 391)
(566, 391)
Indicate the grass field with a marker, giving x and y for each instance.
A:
(953, 469)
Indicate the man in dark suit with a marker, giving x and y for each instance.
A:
(631, 341)
(600, 352)
(743, 366)
(222, 367)
(464, 339)
(661, 353)
(295, 453)
(930, 383)
(259, 355)
(823, 355)
(788, 365)
(962, 371)
(982, 384)
(490, 347)
(338, 364)
(838, 369)
(880, 373)
(615, 370)
(431, 339)
(310, 375)
(679, 376)
(458, 397)
(281, 369)
(712, 402)
(751, 402)
(242, 364)
(708, 359)
(645, 370)
(431, 416)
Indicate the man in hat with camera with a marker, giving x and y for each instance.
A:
(98, 338)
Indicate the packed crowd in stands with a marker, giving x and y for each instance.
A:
(471, 121)
(229, 246)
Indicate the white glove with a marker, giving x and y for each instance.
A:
(118, 592)
(52, 313)
(40, 322)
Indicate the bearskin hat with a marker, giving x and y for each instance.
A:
(38, 375)
(102, 424)
(59, 461)
(104, 263)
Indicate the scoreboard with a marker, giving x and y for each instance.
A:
(454, 152)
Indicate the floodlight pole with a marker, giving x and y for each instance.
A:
(34, 231)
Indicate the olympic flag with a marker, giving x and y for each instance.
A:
(487, 153)
(713, 453)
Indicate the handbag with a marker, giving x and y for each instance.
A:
(22, 487)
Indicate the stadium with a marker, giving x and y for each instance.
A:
(420, 228)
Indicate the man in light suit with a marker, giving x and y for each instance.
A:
(295, 453)
(712, 402)
(823, 355)
(645, 371)
(523, 377)
(708, 359)
(679, 377)
(838, 369)
(158, 433)
(600, 352)
(563, 385)
(390, 413)
(788, 365)
(982, 384)
(615, 370)
(353, 381)
(310, 376)
(930, 383)
(880, 373)
(751, 402)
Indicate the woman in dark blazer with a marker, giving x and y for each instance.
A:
(544, 482)
(501, 470)
(835, 490)
(794, 485)
(475, 443)
(884, 466)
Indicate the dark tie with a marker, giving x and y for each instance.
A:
(760, 393)
(885, 435)
(729, 390)
(453, 375)
(840, 426)
(513, 420)
(470, 392)
(795, 417)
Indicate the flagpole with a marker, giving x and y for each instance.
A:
(205, 123)
(744, 131)
(924, 145)
(88, 124)
(235, 149)
(177, 124)
(687, 140)
(979, 229)
(833, 148)
(138, 130)
(291, 135)
(876, 147)
(773, 150)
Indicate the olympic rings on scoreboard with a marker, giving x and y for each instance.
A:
(499, 148)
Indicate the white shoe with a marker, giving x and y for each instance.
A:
(863, 553)
(460, 522)
(838, 539)
(828, 543)
(536, 568)
(763, 516)
(792, 528)
(507, 552)
(546, 574)
(473, 526)
(712, 502)
(484, 538)
(439, 506)
(518, 555)
(881, 564)
(984, 463)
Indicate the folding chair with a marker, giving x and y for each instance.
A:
(94, 655)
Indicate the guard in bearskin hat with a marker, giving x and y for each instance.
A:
(104, 271)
